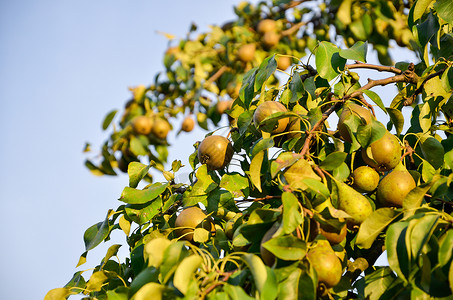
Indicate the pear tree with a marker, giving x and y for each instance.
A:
(319, 174)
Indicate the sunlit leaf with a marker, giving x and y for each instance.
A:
(134, 196)
(357, 52)
(286, 247)
(291, 213)
(136, 172)
(108, 119)
(184, 272)
(329, 63)
(255, 169)
(374, 225)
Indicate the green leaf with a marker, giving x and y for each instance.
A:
(144, 277)
(263, 144)
(134, 196)
(397, 252)
(415, 197)
(369, 133)
(263, 277)
(255, 169)
(235, 183)
(236, 292)
(108, 119)
(136, 171)
(433, 151)
(150, 290)
(58, 294)
(420, 8)
(329, 63)
(299, 171)
(425, 117)
(447, 79)
(265, 70)
(378, 282)
(284, 160)
(376, 99)
(117, 295)
(357, 52)
(77, 280)
(185, 272)
(420, 232)
(201, 235)
(142, 213)
(136, 146)
(444, 9)
(397, 118)
(94, 235)
(287, 247)
(291, 214)
(247, 92)
(296, 87)
(154, 250)
(96, 281)
(344, 12)
(445, 253)
(333, 161)
(374, 225)
(112, 251)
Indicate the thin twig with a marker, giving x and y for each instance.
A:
(359, 65)
(216, 75)
(419, 90)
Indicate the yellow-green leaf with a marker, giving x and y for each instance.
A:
(255, 169)
(150, 290)
(184, 272)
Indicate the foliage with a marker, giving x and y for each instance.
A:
(267, 218)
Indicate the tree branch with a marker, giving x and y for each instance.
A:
(419, 90)
(359, 65)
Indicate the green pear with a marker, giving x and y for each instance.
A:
(383, 154)
(365, 179)
(326, 263)
(395, 186)
(353, 203)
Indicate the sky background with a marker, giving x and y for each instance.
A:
(63, 66)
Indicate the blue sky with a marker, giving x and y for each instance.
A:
(63, 66)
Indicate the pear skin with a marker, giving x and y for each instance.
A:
(326, 263)
(395, 186)
(353, 203)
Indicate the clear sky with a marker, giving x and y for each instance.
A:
(63, 66)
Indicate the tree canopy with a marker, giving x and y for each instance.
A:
(287, 205)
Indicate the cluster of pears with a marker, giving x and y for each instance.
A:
(290, 125)
(156, 126)
(324, 259)
(269, 38)
(383, 155)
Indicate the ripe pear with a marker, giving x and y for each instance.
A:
(394, 187)
(332, 236)
(353, 203)
(270, 39)
(191, 217)
(348, 110)
(283, 62)
(266, 25)
(383, 154)
(365, 179)
(326, 263)
(247, 52)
